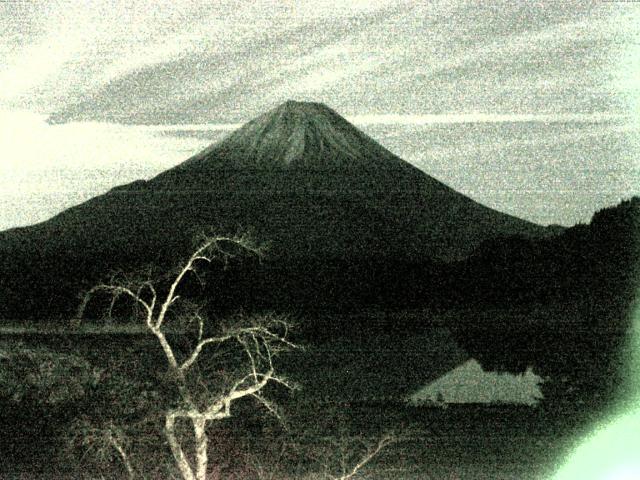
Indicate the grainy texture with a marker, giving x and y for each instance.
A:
(441, 187)
(528, 108)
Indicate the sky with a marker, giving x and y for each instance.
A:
(531, 108)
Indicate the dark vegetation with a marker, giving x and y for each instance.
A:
(375, 260)
(566, 317)
(560, 304)
(574, 295)
(466, 440)
(568, 296)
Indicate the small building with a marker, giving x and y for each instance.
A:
(470, 383)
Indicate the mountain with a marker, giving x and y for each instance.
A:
(338, 209)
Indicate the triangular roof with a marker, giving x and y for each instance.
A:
(470, 383)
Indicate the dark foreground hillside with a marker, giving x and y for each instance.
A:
(460, 441)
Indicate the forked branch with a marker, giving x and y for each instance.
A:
(259, 338)
(368, 456)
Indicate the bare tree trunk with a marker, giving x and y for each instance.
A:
(258, 338)
(176, 449)
(202, 459)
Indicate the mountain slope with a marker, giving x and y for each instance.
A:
(301, 177)
(303, 160)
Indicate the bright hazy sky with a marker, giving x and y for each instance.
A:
(529, 107)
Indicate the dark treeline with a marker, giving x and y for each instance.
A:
(595, 263)
(571, 298)
(559, 303)
(600, 258)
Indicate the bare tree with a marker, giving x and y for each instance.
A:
(103, 442)
(349, 472)
(257, 339)
(332, 458)
(348, 458)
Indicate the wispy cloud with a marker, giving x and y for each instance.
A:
(487, 96)
(188, 62)
(392, 119)
(418, 120)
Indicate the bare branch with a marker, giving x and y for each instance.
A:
(201, 344)
(154, 295)
(166, 347)
(238, 392)
(238, 334)
(207, 251)
(123, 455)
(382, 443)
(201, 257)
(200, 327)
(271, 408)
(116, 291)
(285, 383)
(176, 449)
(102, 441)
(250, 355)
(261, 339)
(114, 299)
(222, 407)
